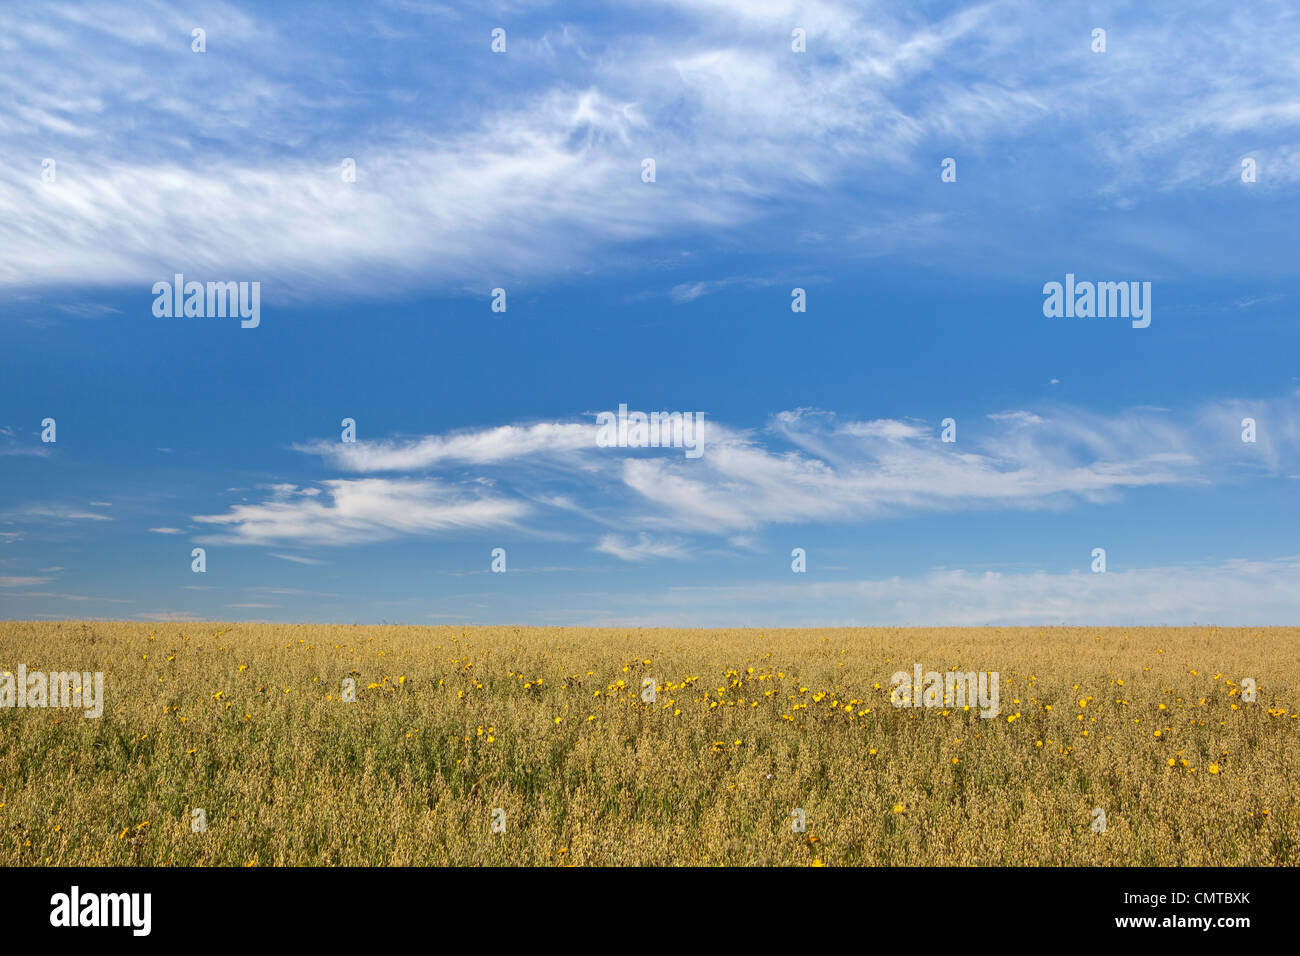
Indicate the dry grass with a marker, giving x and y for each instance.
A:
(245, 721)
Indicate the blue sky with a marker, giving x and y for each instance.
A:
(774, 170)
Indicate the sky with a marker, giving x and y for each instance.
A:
(921, 175)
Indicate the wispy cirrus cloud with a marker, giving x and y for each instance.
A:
(820, 469)
(46, 512)
(545, 178)
(690, 291)
(485, 447)
(10, 445)
(69, 597)
(31, 451)
(293, 592)
(804, 466)
(167, 617)
(298, 559)
(345, 511)
(1236, 592)
(643, 548)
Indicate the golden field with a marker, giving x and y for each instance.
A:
(246, 722)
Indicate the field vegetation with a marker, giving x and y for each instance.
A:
(236, 745)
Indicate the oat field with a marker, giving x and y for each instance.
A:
(233, 745)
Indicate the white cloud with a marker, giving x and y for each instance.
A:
(88, 310)
(360, 511)
(34, 451)
(489, 446)
(499, 182)
(690, 291)
(643, 549)
(1238, 593)
(293, 592)
(166, 530)
(167, 617)
(297, 559)
(814, 467)
(685, 292)
(37, 513)
(1277, 431)
(68, 597)
(851, 471)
